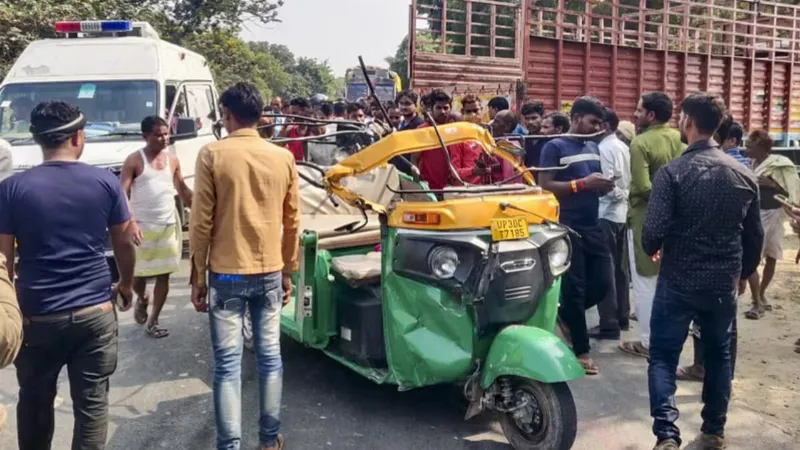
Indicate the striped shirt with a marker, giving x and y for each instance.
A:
(737, 155)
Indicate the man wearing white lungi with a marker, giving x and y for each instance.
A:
(656, 145)
(151, 178)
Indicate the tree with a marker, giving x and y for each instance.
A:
(306, 76)
(209, 27)
(232, 60)
(399, 62)
(190, 16)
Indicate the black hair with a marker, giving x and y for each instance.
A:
(439, 96)
(326, 108)
(559, 119)
(300, 102)
(659, 103)
(499, 103)
(426, 101)
(706, 111)
(586, 105)
(49, 115)
(610, 117)
(724, 129)
(508, 118)
(411, 95)
(533, 108)
(244, 102)
(736, 132)
(151, 122)
(339, 108)
(354, 107)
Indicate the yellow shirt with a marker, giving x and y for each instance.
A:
(245, 218)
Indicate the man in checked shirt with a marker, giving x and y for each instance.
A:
(704, 217)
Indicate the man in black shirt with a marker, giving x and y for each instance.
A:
(703, 215)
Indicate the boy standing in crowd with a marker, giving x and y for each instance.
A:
(704, 257)
(615, 162)
(656, 144)
(578, 189)
(244, 241)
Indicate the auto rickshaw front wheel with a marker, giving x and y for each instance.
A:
(540, 417)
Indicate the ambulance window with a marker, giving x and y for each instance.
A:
(200, 100)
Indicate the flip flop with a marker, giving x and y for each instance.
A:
(156, 332)
(589, 367)
(140, 311)
(688, 373)
(754, 313)
(634, 348)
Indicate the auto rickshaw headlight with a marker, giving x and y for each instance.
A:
(558, 256)
(443, 262)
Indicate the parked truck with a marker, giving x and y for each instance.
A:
(556, 50)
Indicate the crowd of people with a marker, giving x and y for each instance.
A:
(683, 216)
(621, 198)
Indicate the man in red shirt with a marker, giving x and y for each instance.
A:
(433, 163)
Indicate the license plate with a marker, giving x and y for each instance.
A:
(507, 229)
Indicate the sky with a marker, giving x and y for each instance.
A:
(337, 30)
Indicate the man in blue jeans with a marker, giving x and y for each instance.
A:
(244, 239)
(704, 217)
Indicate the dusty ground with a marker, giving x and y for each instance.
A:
(768, 376)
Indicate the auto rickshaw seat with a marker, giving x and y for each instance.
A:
(358, 270)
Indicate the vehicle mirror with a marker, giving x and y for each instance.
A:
(185, 128)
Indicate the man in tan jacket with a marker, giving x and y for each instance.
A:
(10, 325)
(243, 241)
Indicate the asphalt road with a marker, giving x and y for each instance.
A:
(160, 398)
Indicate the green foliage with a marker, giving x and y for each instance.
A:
(399, 62)
(231, 60)
(208, 27)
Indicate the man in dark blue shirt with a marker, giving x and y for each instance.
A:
(578, 188)
(703, 215)
(60, 213)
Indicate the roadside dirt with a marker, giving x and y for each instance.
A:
(768, 369)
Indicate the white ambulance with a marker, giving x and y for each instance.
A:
(117, 72)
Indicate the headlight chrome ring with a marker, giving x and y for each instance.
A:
(443, 262)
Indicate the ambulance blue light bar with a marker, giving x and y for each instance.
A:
(94, 26)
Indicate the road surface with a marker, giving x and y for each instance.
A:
(160, 398)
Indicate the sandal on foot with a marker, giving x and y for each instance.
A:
(156, 332)
(689, 373)
(634, 318)
(754, 313)
(589, 366)
(634, 348)
(767, 306)
(140, 311)
(278, 444)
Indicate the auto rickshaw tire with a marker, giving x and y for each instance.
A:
(559, 417)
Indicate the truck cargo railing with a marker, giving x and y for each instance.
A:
(760, 29)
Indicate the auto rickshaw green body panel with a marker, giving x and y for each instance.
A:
(429, 332)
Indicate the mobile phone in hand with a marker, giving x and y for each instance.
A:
(783, 200)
